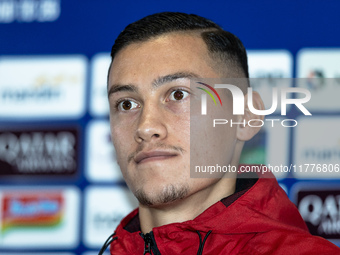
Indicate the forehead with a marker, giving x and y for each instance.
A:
(160, 56)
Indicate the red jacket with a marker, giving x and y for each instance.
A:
(257, 219)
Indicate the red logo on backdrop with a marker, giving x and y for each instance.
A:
(22, 209)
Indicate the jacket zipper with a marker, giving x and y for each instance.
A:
(150, 246)
(147, 243)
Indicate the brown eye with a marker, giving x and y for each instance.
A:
(127, 105)
(178, 95)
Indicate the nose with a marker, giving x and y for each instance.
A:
(151, 125)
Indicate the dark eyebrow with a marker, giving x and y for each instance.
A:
(171, 77)
(155, 84)
(119, 88)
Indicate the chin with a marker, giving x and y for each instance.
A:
(169, 194)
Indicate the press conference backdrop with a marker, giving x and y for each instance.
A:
(61, 191)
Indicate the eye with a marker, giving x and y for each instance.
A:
(126, 105)
(178, 95)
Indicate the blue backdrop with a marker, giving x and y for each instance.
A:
(83, 203)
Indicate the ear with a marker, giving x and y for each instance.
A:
(246, 132)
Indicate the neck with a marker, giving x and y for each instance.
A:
(185, 209)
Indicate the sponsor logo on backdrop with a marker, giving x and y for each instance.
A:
(29, 11)
(104, 209)
(31, 210)
(42, 87)
(39, 152)
(318, 62)
(321, 210)
(321, 69)
(39, 217)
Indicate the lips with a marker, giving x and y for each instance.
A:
(153, 155)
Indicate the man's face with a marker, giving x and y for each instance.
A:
(149, 96)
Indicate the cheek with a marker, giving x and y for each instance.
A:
(181, 130)
(121, 141)
(212, 145)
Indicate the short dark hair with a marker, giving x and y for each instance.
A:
(222, 44)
